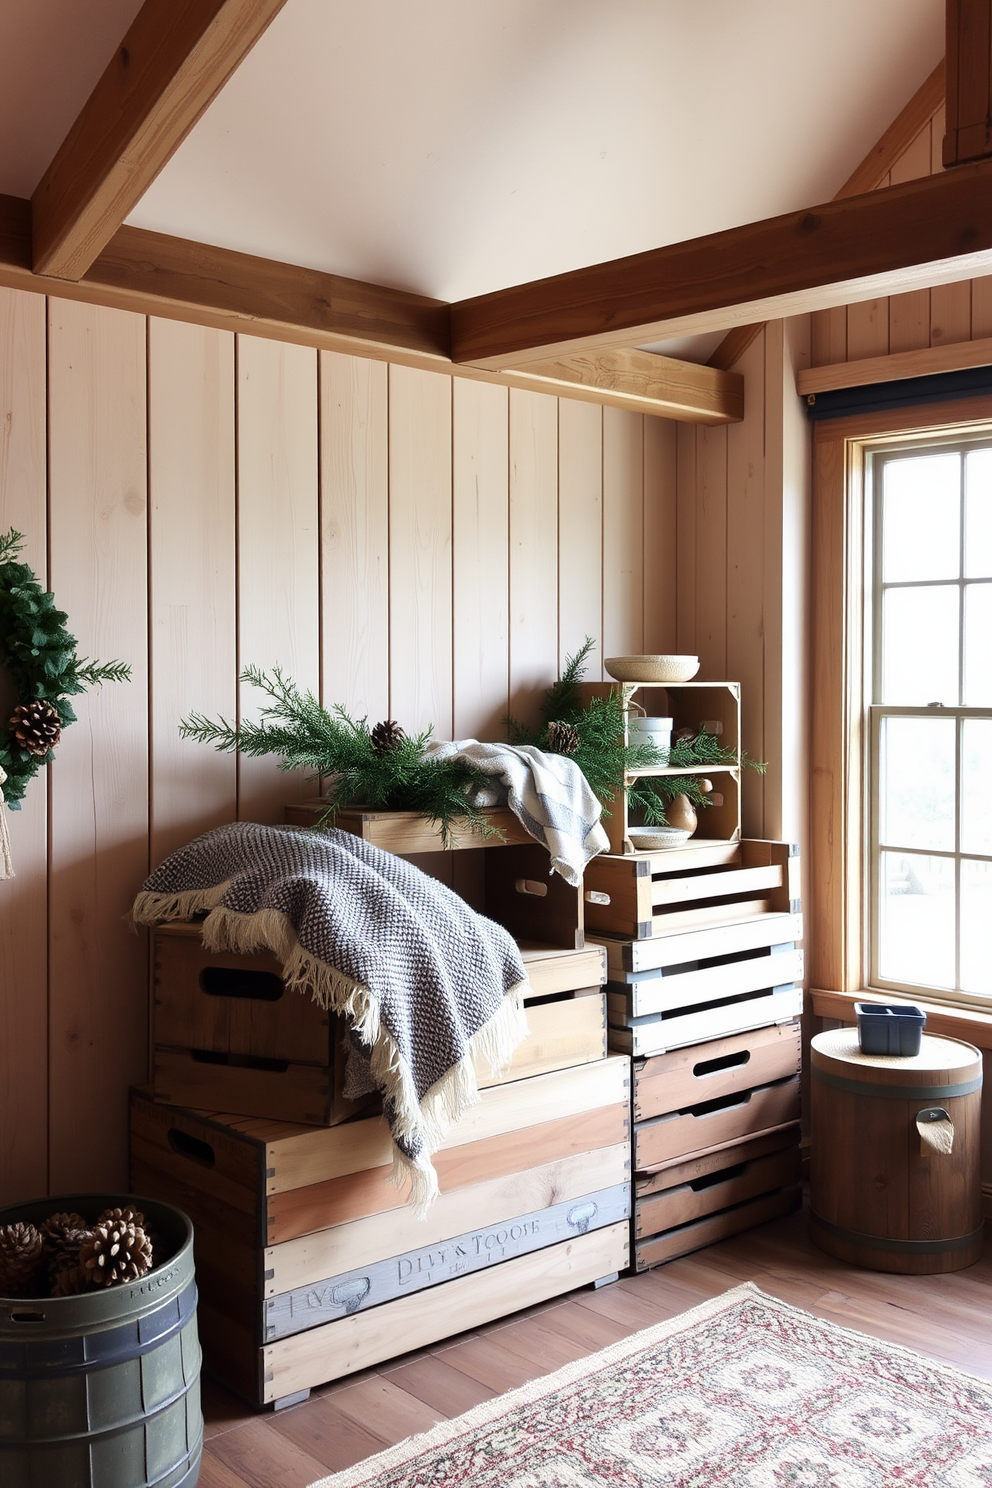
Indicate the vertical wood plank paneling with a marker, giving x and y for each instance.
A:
(481, 538)
(950, 313)
(687, 451)
(749, 504)
(867, 329)
(533, 549)
(580, 531)
(829, 330)
(909, 320)
(623, 532)
(420, 610)
(192, 636)
(99, 797)
(660, 534)
(981, 307)
(278, 609)
(354, 483)
(711, 552)
(24, 899)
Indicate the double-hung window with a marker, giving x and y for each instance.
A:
(928, 740)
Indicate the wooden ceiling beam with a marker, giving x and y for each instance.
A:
(175, 58)
(180, 280)
(904, 237)
(868, 176)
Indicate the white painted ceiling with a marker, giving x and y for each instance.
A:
(456, 146)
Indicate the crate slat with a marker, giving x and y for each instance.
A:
(708, 1231)
(672, 1082)
(627, 959)
(627, 1001)
(372, 1285)
(728, 1185)
(657, 1035)
(684, 1134)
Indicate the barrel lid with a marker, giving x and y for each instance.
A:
(938, 1055)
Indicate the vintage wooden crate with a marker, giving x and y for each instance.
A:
(693, 1202)
(228, 1034)
(668, 893)
(292, 1221)
(713, 1095)
(703, 984)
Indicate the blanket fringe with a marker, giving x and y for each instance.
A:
(420, 1124)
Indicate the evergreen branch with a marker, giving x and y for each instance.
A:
(10, 544)
(95, 672)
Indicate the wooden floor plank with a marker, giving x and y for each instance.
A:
(945, 1317)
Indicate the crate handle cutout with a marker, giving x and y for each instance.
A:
(719, 1103)
(233, 981)
(723, 1176)
(724, 1062)
(531, 886)
(186, 1146)
(240, 1061)
(22, 1315)
(596, 896)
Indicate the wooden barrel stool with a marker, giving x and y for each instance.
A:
(894, 1162)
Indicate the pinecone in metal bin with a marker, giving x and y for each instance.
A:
(563, 738)
(63, 1236)
(116, 1252)
(22, 1261)
(386, 736)
(70, 1281)
(36, 727)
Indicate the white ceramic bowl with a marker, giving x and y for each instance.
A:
(652, 668)
(657, 839)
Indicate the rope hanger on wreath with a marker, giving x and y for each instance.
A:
(41, 657)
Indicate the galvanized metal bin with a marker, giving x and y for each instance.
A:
(103, 1390)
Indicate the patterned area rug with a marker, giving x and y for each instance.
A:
(741, 1392)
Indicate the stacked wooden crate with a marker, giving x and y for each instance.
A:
(309, 1265)
(704, 992)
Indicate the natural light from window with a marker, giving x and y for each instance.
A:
(930, 734)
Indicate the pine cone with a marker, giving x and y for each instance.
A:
(386, 736)
(70, 1281)
(116, 1252)
(36, 727)
(124, 1216)
(22, 1261)
(563, 738)
(63, 1236)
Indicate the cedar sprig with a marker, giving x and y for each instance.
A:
(303, 734)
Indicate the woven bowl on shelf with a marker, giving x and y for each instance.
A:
(657, 839)
(652, 668)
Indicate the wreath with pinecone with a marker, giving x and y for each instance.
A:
(41, 657)
(66, 1255)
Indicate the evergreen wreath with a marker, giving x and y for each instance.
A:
(41, 657)
(382, 768)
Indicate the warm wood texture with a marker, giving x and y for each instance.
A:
(24, 899)
(707, 1231)
(878, 1198)
(710, 1071)
(962, 1023)
(921, 361)
(98, 545)
(644, 382)
(191, 513)
(945, 1318)
(172, 62)
(903, 237)
(872, 173)
(969, 81)
(278, 541)
(683, 1134)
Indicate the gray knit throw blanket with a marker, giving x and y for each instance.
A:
(424, 983)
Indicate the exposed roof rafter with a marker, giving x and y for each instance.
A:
(175, 58)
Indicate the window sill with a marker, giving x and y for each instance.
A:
(962, 1023)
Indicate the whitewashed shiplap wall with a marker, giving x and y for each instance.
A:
(407, 544)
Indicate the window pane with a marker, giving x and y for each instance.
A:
(916, 920)
(978, 645)
(921, 506)
(920, 646)
(978, 515)
(976, 927)
(916, 786)
(976, 786)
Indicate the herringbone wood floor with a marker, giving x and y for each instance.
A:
(948, 1317)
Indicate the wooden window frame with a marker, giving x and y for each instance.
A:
(837, 920)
